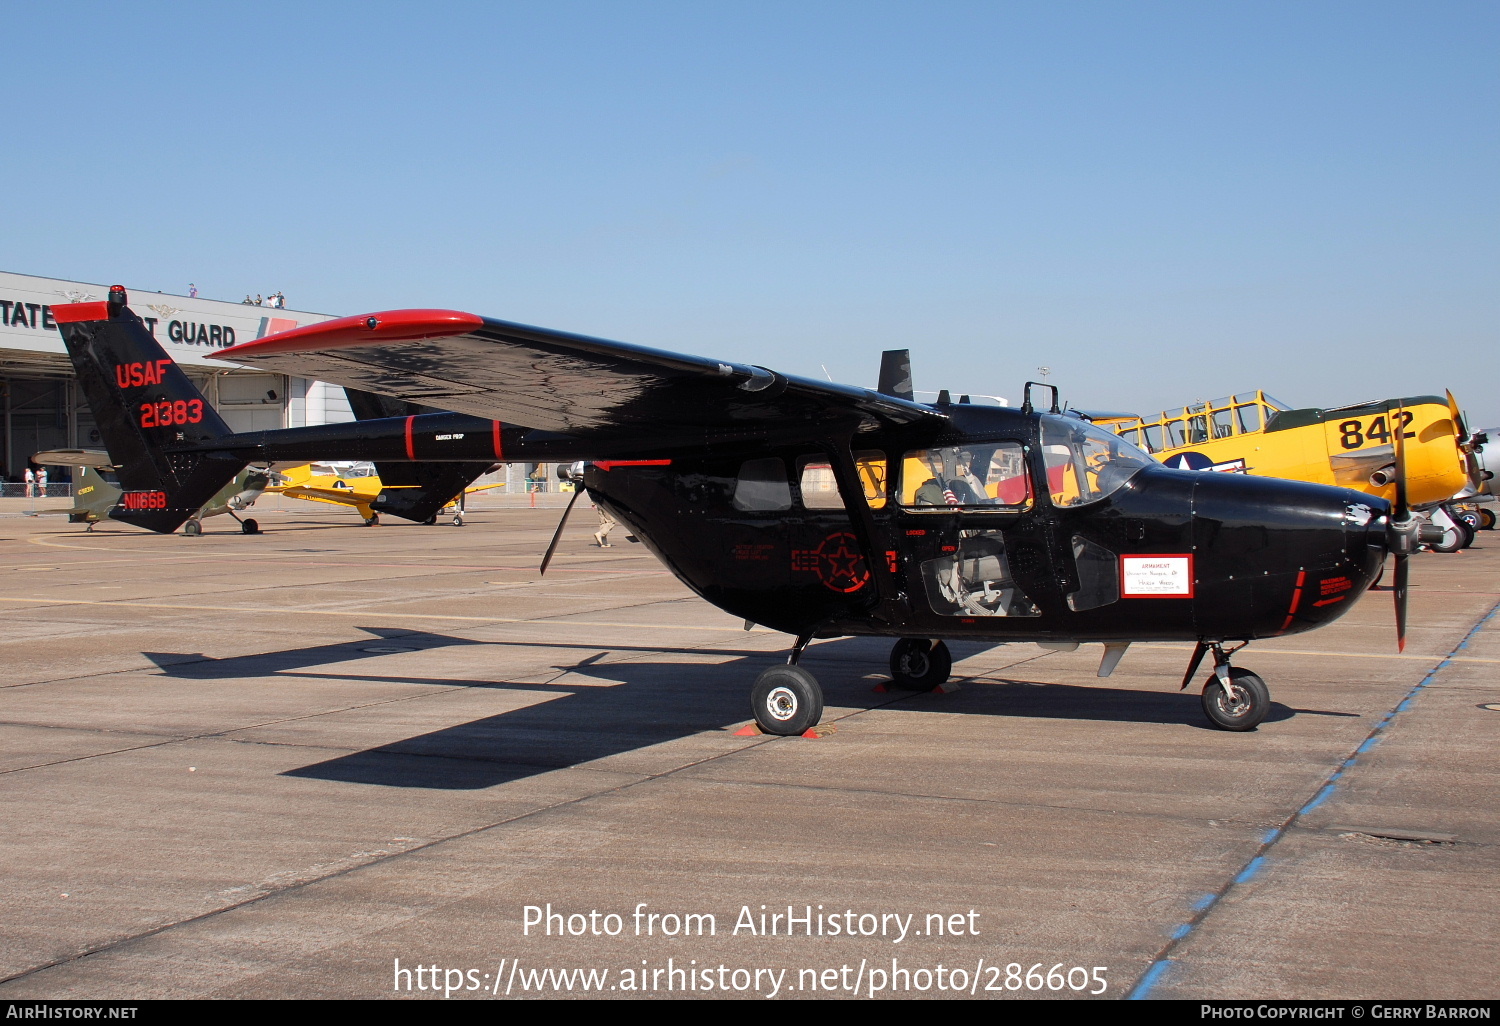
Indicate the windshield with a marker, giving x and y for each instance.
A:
(1084, 462)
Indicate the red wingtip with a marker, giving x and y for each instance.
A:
(364, 329)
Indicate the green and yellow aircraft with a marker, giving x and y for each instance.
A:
(97, 495)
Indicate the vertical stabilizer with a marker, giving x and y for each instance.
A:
(895, 374)
(145, 406)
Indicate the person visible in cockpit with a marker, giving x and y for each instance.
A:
(961, 489)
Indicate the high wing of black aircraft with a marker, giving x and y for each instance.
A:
(816, 509)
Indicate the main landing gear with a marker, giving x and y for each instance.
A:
(1233, 699)
(787, 699)
(920, 665)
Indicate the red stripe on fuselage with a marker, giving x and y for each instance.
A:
(606, 464)
(499, 444)
(411, 449)
(1296, 599)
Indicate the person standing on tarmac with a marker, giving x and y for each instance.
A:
(606, 525)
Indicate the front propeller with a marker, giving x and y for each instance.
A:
(1401, 533)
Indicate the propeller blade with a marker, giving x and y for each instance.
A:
(557, 535)
(1400, 590)
(1458, 417)
(1402, 531)
(1401, 511)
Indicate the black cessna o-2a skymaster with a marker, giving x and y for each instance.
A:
(816, 509)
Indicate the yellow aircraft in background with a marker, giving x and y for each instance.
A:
(353, 484)
(1350, 446)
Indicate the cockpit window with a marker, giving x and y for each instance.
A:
(988, 475)
(1084, 462)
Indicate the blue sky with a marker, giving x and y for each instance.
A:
(1160, 201)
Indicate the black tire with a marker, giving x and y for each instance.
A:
(192, 528)
(1486, 519)
(430, 521)
(1248, 712)
(249, 526)
(1471, 518)
(372, 520)
(786, 700)
(920, 665)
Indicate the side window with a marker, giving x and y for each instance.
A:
(1249, 418)
(1223, 424)
(1151, 437)
(871, 467)
(819, 489)
(989, 475)
(762, 485)
(1197, 429)
(1175, 436)
(1098, 576)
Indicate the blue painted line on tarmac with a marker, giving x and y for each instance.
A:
(1206, 903)
(1254, 867)
(1322, 797)
(1148, 981)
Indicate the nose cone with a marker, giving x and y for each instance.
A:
(1286, 554)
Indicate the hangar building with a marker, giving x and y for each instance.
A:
(43, 408)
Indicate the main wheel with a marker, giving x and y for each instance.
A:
(192, 528)
(372, 520)
(1454, 538)
(249, 526)
(1470, 517)
(786, 701)
(1243, 710)
(430, 520)
(458, 520)
(920, 665)
(1486, 519)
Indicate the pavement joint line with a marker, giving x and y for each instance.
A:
(1205, 905)
(747, 743)
(539, 622)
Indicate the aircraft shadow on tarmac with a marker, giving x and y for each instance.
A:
(629, 705)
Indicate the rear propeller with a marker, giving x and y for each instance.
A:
(557, 535)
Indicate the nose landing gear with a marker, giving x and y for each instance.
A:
(1233, 699)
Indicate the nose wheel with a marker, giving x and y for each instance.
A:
(1233, 699)
(1239, 705)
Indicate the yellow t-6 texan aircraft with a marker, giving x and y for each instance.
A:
(354, 484)
(1349, 446)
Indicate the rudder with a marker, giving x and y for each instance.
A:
(145, 406)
